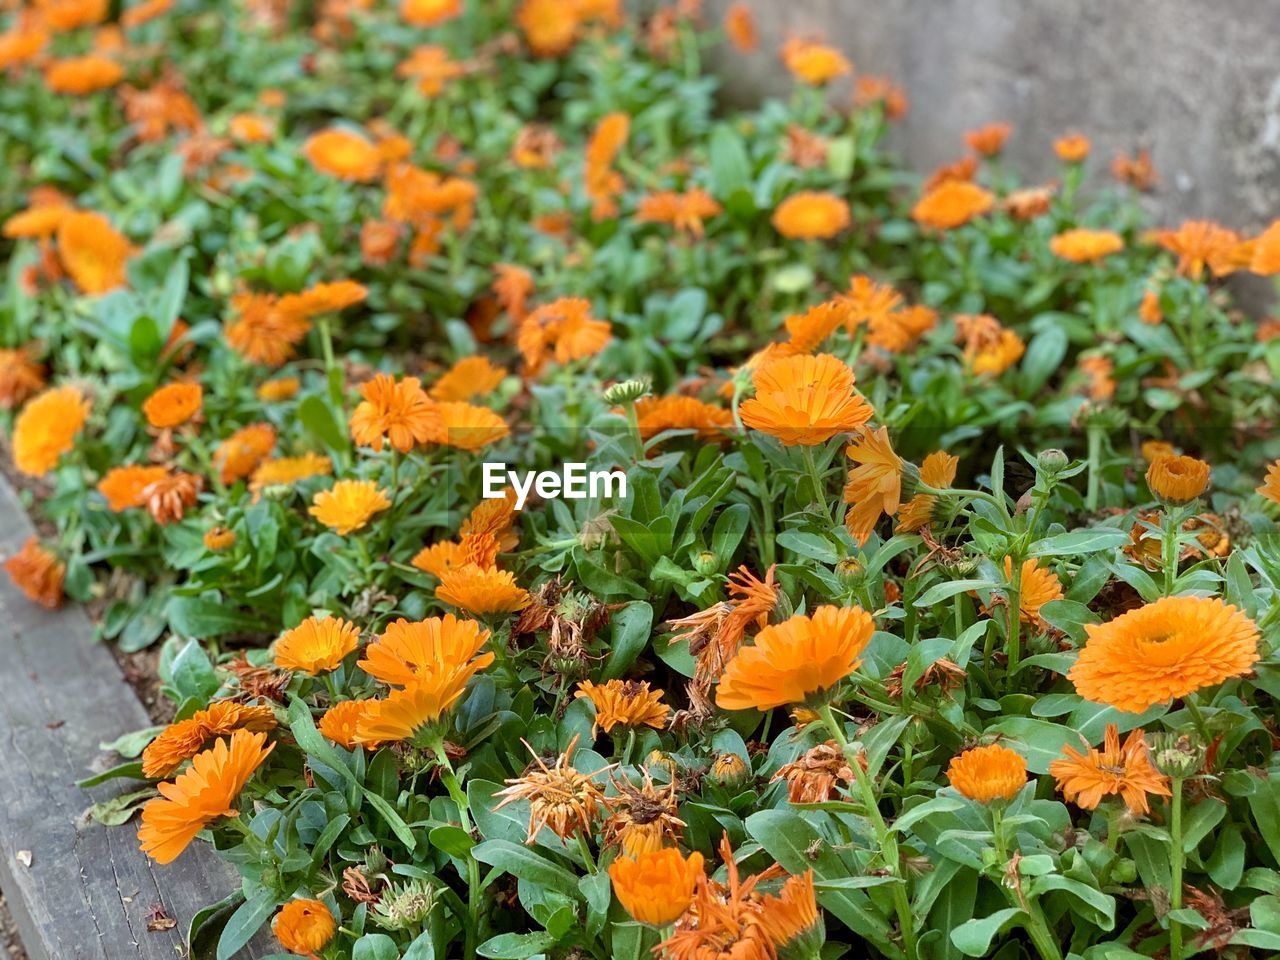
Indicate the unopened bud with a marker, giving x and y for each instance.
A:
(628, 391)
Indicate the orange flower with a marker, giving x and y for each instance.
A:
(1086, 246)
(988, 140)
(239, 455)
(432, 67)
(740, 27)
(562, 329)
(805, 400)
(898, 331)
(324, 298)
(951, 204)
(791, 919)
(1201, 243)
(1266, 251)
(1271, 484)
(469, 427)
(481, 591)
(304, 927)
(22, 43)
(168, 497)
(411, 713)
(200, 795)
(684, 211)
(868, 302)
(348, 505)
(561, 798)
(1073, 148)
(1178, 479)
(989, 348)
(316, 645)
(495, 517)
(379, 242)
(173, 404)
(1029, 203)
(429, 13)
(251, 128)
(869, 90)
(624, 703)
(469, 377)
(21, 376)
(550, 27)
(656, 886)
(988, 773)
(38, 221)
(1037, 586)
(401, 412)
(1149, 309)
(512, 286)
(814, 63)
(480, 549)
(264, 331)
(796, 660)
(80, 76)
(156, 111)
(92, 252)
(814, 777)
(963, 169)
(46, 428)
(602, 183)
(1166, 649)
(1098, 369)
(340, 723)
(218, 539)
(62, 16)
(343, 154)
(535, 147)
(937, 470)
(38, 573)
(286, 471)
(277, 391)
(407, 651)
(875, 484)
(811, 216)
(656, 415)
(125, 487)
(143, 12)
(1138, 171)
(1115, 770)
(809, 330)
(183, 739)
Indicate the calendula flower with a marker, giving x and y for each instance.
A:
(240, 454)
(805, 400)
(989, 348)
(263, 331)
(560, 798)
(807, 331)
(494, 516)
(791, 920)
(183, 739)
(324, 298)
(874, 487)
(811, 216)
(80, 76)
(871, 90)
(1072, 148)
(563, 330)
(144, 12)
(1115, 770)
(399, 411)
(814, 63)
(286, 471)
(1029, 203)
(1098, 369)
(412, 713)
(1037, 586)
(277, 391)
(550, 27)
(740, 27)
(432, 67)
(38, 573)
(815, 777)
(641, 818)
(344, 154)
(481, 591)
(1178, 479)
(1202, 243)
(406, 651)
(468, 427)
(951, 204)
(92, 252)
(1270, 487)
(625, 703)
(348, 505)
(1166, 649)
(1138, 171)
(219, 539)
(796, 660)
(601, 182)
(963, 170)
(124, 487)
(470, 377)
(21, 377)
(46, 428)
(22, 43)
(683, 211)
(937, 470)
(988, 140)
(656, 887)
(989, 773)
(173, 404)
(169, 497)
(429, 13)
(304, 927)
(1266, 251)
(1149, 311)
(316, 645)
(1086, 246)
(656, 415)
(512, 286)
(200, 795)
(340, 723)
(478, 549)
(251, 128)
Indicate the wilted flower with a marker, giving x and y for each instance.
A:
(560, 798)
(38, 573)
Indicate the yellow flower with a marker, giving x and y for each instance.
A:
(348, 505)
(624, 703)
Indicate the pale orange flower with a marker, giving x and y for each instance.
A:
(92, 251)
(80, 76)
(22, 43)
(805, 400)
(869, 90)
(535, 147)
(251, 128)
(874, 487)
(406, 651)
(952, 204)
(601, 182)
(379, 242)
(1270, 487)
(1072, 148)
(1202, 243)
(563, 330)
(277, 391)
(1115, 770)
(21, 376)
(811, 216)
(938, 471)
(38, 573)
(470, 377)
(344, 154)
(239, 455)
(324, 298)
(1266, 251)
(286, 471)
(684, 211)
(168, 498)
(740, 27)
(468, 427)
(264, 331)
(1098, 369)
(123, 487)
(1149, 311)
(1178, 479)
(625, 703)
(1138, 171)
(988, 140)
(401, 412)
(550, 27)
(1086, 246)
(814, 63)
(807, 331)
(348, 505)
(340, 723)
(47, 427)
(1037, 586)
(658, 414)
(1029, 203)
(432, 67)
(183, 739)
(512, 286)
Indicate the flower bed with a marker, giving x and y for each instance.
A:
(926, 606)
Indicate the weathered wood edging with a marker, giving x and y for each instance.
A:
(87, 890)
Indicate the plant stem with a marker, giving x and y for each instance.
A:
(474, 896)
(1014, 622)
(816, 479)
(1095, 467)
(1176, 857)
(1169, 552)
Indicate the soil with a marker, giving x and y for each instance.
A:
(13, 949)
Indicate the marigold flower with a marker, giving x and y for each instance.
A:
(1115, 770)
(684, 211)
(1037, 586)
(348, 505)
(1086, 246)
(481, 591)
(470, 377)
(344, 154)
(1270, 487)
(809, 330)
(1178, 479)
(217, 539)
(200, 795)
(874, 486)
(937, 470)
(38, 222)
(22, 43)
(656, 415)
(80, 76)
(164, 107)
(481, 550)
(47, 427)
(535, 147)
(38, 573)
(560, 798)
(563, 330)
(304, 927)
(626, 703)
(410, 713)
(379, 242)
(796, 660)
(512, 286)
(429, 13)
(963, 170)
(989, 773)
(1166, 649)
(814, 63)
(1073, 148)
(406, 651)
(183, 739)
(805, 400)
(340, 723)
(168, 497)
(989, 348)
(400, 412)
(324, 298)
(951, 204)
(1149, 311)
(1202, 243)
(264, 331)
(173, 404)
(316, 645)
(240, 454)
(811, 216)
(468, 427)
(550, 27)
(251, 128)
(740, 27)
(21, 377)
(432, 67)
(92, 252)
(124, 487)
(286, 471)
(1098, 369)
(656, 887)
(791, 920)
(988, 140)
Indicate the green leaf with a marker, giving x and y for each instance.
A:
(451, 839)
(245, 922)
(132, 744)
(809, 545)
(192, 673)
(320, 422)
(1044, 356)
(517, 946)
(730, 164)
(519, 861)
(374, 946)
(1078, 542)
(973, 937)
(629, 630)
(945, 591)
(131, 770)
(200, 618)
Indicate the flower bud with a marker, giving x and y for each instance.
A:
(405, 906)
(628, 391)
(1053, 461)
(730, 770)
(851, 572)
(1177, 756)
(706, 563)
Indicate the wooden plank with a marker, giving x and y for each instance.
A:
(88, 890)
